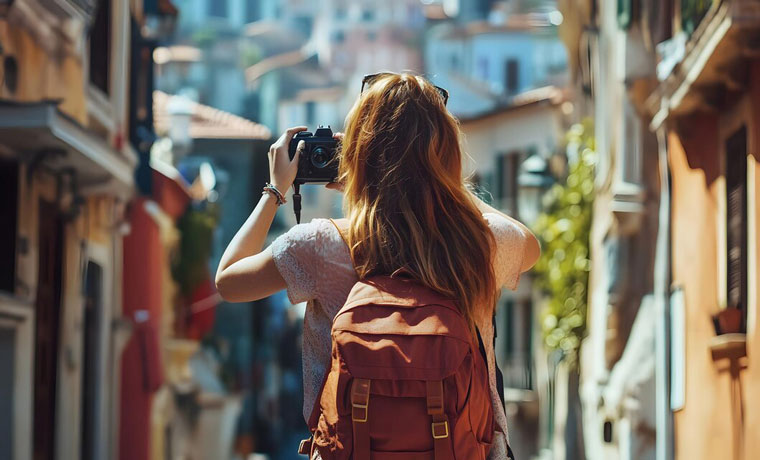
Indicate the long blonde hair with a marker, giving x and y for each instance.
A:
(405, 198)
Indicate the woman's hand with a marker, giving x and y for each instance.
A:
(283, 170)
(335, 185)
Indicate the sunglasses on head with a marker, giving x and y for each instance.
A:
(369, 79)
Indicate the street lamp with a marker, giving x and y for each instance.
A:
(180, 109)
(533, 181)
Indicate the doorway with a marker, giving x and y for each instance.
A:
(93, 311)
(47, 327)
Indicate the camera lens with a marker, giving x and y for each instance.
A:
(319, 157)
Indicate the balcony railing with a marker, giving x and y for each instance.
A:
(68, 8)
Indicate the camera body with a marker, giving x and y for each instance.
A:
(318, 162)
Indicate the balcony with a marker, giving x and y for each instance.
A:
(49, 21)
(71, 8)
(43, 135)
(702, 65)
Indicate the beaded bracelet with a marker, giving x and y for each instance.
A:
(272, 190)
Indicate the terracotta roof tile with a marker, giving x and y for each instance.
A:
(207, 122)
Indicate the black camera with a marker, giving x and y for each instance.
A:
(319, 157)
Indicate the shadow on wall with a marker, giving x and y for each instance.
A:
(698, 136)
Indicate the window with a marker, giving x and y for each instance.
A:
(736, 222)
(368, 15)
(16, 346)
(454, 62)
(303, 23)
(483, 68)
(507, 168)
(631, 153)
(9, 205)
(340, 13)
(518, 326)
(217, 8)
(100, 47)
(7, 373)
(338, 36)
(252, 12)
(512, 76)
(310, 110)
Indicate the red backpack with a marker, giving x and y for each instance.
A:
(407, 380)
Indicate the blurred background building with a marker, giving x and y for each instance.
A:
(132, 146)
(667, 367)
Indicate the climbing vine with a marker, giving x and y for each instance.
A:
(564, 229)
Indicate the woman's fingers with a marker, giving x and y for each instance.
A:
(284, 140)
(299, 149)
(283, 170)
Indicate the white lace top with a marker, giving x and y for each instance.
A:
(315, 263)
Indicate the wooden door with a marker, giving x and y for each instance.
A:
(47, 326)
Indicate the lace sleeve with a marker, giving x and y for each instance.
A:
(295, 256)
(510, 250)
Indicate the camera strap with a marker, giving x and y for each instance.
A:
(297, 201)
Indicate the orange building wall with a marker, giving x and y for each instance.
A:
(696, 188)
(752, 374)
(708, 427)
(41, 77)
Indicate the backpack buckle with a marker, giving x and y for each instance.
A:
(359, 400)
(441, 433)
(355, 408)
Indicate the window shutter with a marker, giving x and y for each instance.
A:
(100, 47)
(500, 189)
(512, 76)
(736, 220)
(513, 169)
(9, 171)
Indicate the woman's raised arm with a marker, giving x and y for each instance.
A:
(532, 247)
(246, 272)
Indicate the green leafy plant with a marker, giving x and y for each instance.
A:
(564, 229)
(190, 267)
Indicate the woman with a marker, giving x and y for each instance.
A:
(408, 207)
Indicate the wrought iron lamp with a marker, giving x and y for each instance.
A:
(534, 179)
